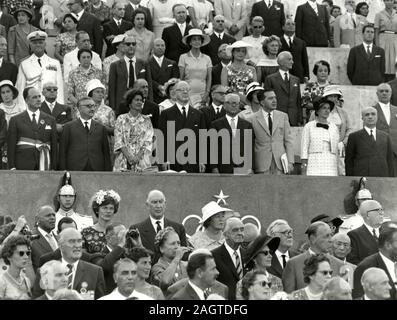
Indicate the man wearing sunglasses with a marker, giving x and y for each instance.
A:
(272, 13)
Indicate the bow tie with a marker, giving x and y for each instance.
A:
(320, 125)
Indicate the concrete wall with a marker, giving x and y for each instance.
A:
(295, 198)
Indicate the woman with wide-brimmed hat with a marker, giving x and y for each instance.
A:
(320, 138)
(195, 67)
(238, 74)
(18, 44)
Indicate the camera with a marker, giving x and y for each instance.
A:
(131, 236)
(27, 233)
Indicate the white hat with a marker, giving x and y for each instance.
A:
(237, 44)
(197, 32)
(332, 89)
(37, 35)
(253, 86)
(363, 194)
(211, 209)
(67, 190)
(94, 84)
(119, 38)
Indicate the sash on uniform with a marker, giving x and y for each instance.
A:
(43, 148)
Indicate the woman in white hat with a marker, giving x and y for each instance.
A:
(195, 67)
(213, 222)
(253, 104)
(238, 74)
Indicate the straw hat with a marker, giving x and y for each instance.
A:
(237, 44)
(196, 32)
(211, 209)
(331, 90)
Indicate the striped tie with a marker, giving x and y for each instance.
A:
(70, 276)
(239, 269)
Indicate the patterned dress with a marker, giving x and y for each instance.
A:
(136, 135)
(11, 289)
(238, 80)
(93, 241)
(66, 42)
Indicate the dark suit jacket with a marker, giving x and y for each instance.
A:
(216, 74)
(111, 28)
(300, 67)
(148, 233)
(39, 247)
(393, 85)
(227, 271)
(8, 71)
(274, 17)
(210, 115)
(7, 21)
(118, 80)
(276, 268)
(363, 244)
(365, 71)
(129, 11)
(391, 129)
(173, 42)
(186, 293)
(92, 25)
(288, 98)
(244, 151)
(374, 260)
(195, 121)
(23, 158)
(61, 113)
(365, 157)
(306, 21)
(160, 75)
(3, 128)
(86, 272)
(56, 255)
(211, 49)
(77, 148)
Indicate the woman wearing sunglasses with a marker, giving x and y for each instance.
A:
(256, 286)
(317, 272)
(259, 254)
(14, 284)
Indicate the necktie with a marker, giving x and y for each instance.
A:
(270, 121)
(39, 61)
(269, 4)
(184, 112)
(51, 105)
(374, 233)
(286, 78)
(217, 111)
(70, 275)
(131, 77)
(34, 121)
(239, 269)
(371, 134)
(51, 241)
(86, 126)
(354, 21)
(322, 125)
(233, 126)
(207, 292)
(290, 42)
(315, 8)
(284, 257)
(368, 51)
(158, 226)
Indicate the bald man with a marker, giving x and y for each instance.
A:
(287, 88)
(341, 247)
(375, 284)
(369, 150)
(337, 289)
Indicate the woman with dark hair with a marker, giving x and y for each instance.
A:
(268, 65)
(317, 272)
(362, 9)
(143, 259)
(14, 284)
(18, 44)
(319, 144)
(256, 286)
(169, 268)
(170, 93)
(66, 41)
(105, 205)
(133, 136)
(144, 38)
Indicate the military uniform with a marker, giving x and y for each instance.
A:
(81, 220)
(351, 222)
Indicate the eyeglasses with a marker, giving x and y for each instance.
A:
(70, 4)
(257, 27)
(326, 272)
(183, 90)
(220, 92)
(264, 284)
(22, 253)
(381, 211)
(341, 244)
(88, 105)
(287, 232)
(219, 21)
(130, 44)
(52, 89)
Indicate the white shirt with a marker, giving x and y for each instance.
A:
(1, 60)
(50, 105)
(116, 295)
(199, 292)
(182, 27)
(390, 267)
(231, 253)
(371, 228)
(266, 116)
(287, 38)
(229, 119)
(134, 6)
(217, 107)
(65, 263)
(313, 4)
(37, 113)
(225, 65)
(48, 296)
(369, 131)
(219, 35)
(386, 111)
(78, 15)
(282, 72)
(84, 121)
(280, 258)
(269, 4)
(46, 235)
(154, 223)
(159, 60)
(180, 108)
(127, 61)
(118, 22)
(366, 46)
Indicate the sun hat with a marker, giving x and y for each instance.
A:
(196, 32)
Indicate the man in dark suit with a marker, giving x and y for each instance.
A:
(148, 228)
(387, 118)
(161, 69)
(366, 64)
(45, 223)
(239, 142)
(149, 107)
(53, 277)
(7, 20)
(121, 79)
(180, 117)
(117, 25)
(3, 128)
(133, 5)
(273, 16)
(89, 23)
(229, 257)
(290, 42)
(202, 273)
(364, 240)
(81, 274)
(384, 259)
(280, 228)
(60, 112)
(8, 70)
(215, 110)
(224, 61)
(312, 16)
(287, 89)
(375, 283)
(32, 137)
(84, 144)
(369, 150)
(218, 37)
(173, 35)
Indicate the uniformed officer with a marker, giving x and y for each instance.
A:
(39, 68)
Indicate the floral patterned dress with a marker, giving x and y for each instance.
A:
(136, 134)
(66, 41)
(312, 91)
(239, 79)
(93, 241)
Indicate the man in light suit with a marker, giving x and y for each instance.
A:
(319, 234)
(120, 77)
(273, 136)
(39, 68)
(273, 15)
(287, 88)
(235, 13)
(369, 150)
(84, 144)
(229, 257)
(387, 118)
(8, 70)
(53, 276)
(82, 275)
